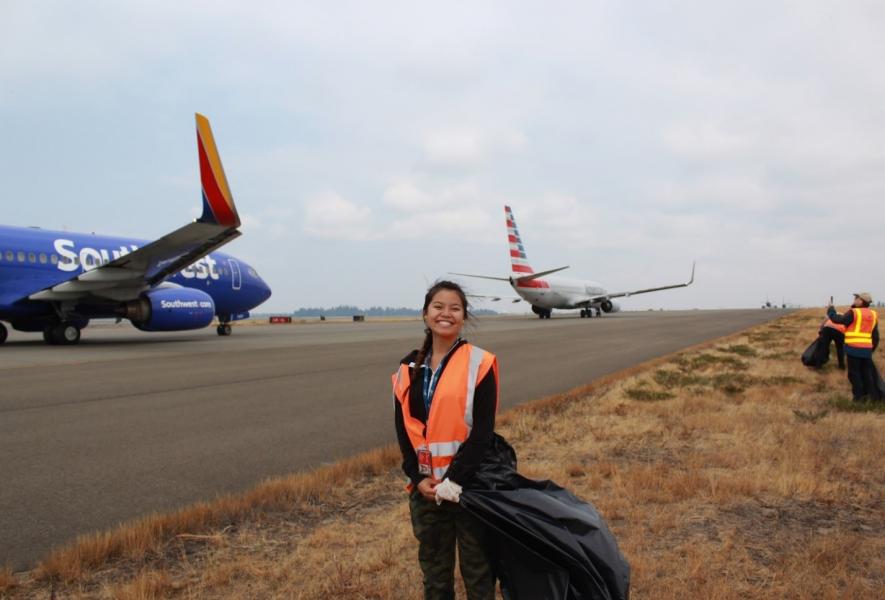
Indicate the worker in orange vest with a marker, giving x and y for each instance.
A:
(861, 340)
(445, 400)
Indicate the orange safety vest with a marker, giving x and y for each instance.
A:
(860, 333)
(451, 412)
(836, 326)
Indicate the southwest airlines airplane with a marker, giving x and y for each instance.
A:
(55, 282)
(546, 293)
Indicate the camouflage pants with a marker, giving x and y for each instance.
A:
(437, 529)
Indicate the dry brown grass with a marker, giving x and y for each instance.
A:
(726, 471)
(8, 580)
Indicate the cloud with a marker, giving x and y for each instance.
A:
(470, 148)
(405, 196)
(329, 215)
(458, 224)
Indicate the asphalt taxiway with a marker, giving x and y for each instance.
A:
(128, 423)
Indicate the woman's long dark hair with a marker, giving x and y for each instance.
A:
(428, 298)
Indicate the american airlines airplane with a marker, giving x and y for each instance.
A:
(54, 282)
(546, 293)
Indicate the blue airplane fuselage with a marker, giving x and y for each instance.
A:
(32, 260)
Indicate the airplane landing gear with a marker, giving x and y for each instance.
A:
(61, 334)
(543, 313)
(4, 333)
(224, 329)
(586, 313)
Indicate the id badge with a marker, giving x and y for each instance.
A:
(424, 465)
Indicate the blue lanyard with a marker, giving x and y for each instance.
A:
(431, 378)
(430, 381)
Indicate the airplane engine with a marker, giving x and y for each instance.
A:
(171, 309)
(609, 306)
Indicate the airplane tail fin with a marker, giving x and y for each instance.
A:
(218, 203)
(519, 264)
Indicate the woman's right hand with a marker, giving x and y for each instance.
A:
(427, 488)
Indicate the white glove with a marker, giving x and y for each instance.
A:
(448, 490)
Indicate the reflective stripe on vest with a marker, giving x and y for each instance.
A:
(860, 333)
(451, 413)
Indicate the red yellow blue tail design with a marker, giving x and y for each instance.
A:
(218, 203)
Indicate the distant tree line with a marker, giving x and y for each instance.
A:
(346, 310)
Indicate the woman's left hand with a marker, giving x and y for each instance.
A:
(427, 488)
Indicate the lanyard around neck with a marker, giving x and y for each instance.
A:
(431, 378)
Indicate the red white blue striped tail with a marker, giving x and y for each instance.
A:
(518, 262)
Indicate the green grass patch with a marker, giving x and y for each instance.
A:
(676, 379)
(739, 349)
(705, 360)
(782, 380)
(786, 355)
(646, 395)
(846, 404)
(733, 383)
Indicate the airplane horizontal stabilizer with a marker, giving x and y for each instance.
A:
(481, 276)
(539, 275)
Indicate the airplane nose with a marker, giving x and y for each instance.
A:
(263, 292)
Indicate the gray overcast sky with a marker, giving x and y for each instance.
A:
(372, 144)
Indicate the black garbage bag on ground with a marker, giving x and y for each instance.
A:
(817, 354)
(545, 543)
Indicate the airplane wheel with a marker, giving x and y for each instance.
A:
(4, 333)
(583, 314)
(68, 334)
(63, 334)
(224, 329)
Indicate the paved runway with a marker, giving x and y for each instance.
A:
(128, 423)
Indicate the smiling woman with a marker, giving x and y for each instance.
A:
(444, 425)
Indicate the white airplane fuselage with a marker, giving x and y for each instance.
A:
(558, 292)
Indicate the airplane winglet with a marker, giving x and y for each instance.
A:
(218, 203)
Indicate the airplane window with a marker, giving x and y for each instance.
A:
(89, 261)
(20, 256)
(76, 260)
(32, 258)
(9, 256)
(43, 258)
(253, 273)
(54, 259)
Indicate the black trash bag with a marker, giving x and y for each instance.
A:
(545, 543)
(816, 354)
(879, 382)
